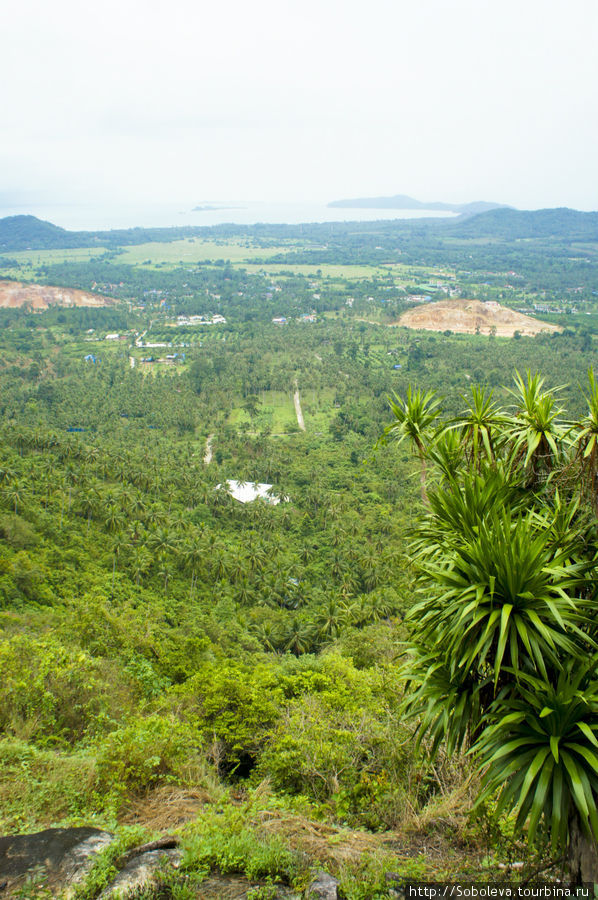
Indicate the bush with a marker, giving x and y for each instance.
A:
(56, 694)
(17, 531)
(40, 786)
(227, 842)
(146, 751)
(342, 745)
(232, 706)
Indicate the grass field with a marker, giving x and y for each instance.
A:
(240, 253)
(29, 260)
(322, 270)
(276, 410)
(197, 250)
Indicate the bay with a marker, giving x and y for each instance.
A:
(104, 217)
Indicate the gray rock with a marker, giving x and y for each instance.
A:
(78, 861)
(56, 856)
(139, 871)
(323, 887)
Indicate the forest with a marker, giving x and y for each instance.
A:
(339, 676)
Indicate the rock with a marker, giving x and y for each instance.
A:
(140, 871)
(56, 856)
(78, 861)
(231, 887)
(324, 887)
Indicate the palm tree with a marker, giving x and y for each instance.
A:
(14, 492)
(330, 619)
(297, 638)
(161, 540)
(119, 543)
(268, 634)
(192, 554)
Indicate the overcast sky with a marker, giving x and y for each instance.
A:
(192, 100)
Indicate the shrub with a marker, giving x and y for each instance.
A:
(144, 752)
(227, 841)
(40, 786)
(56, 694)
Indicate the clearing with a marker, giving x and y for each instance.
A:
(473, 317)
(14, 294)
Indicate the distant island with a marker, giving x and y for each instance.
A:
(402, 201)
(208, 208)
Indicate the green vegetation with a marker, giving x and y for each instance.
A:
(158, 636)
(503, 650)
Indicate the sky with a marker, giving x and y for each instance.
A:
(281, 100)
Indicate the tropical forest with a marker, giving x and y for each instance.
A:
(299, 556)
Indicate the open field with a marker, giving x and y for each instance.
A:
(200, 251)
(197, 250)
(28, 261)
(276, 410)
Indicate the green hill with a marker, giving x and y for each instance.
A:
(562, 222)
(29, 232)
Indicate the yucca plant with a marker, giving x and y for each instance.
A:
(479, 425)
(535, 432)
(445, 453)
(504, 595)
(461, 504)
(540, 752)
(585, 439)
(503, 655)
(448, 705)
(414, 419)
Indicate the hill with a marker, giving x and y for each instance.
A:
(513, 224)
(402, 201)
(14, 294)
(29, 232)
(471, 317)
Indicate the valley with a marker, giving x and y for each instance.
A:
(178, 664)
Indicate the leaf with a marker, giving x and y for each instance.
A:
(554, 746)
(540, 796)
(576, 784)
(587, 731)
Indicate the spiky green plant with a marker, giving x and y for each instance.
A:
(535, 432)
(585, 439)
(479, 425)
(540, 751)
(414, 419)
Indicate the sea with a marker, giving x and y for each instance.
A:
(96, 217)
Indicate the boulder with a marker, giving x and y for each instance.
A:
(323, 887)
(56, 856)
(140, 871)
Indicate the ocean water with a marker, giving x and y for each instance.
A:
(87, 217)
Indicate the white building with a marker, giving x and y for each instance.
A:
(246, 492)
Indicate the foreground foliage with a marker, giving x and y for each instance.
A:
(505, 637)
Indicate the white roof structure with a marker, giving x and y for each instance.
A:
(246, 491)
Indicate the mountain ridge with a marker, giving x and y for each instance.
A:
(26, 232)
(403, 201)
